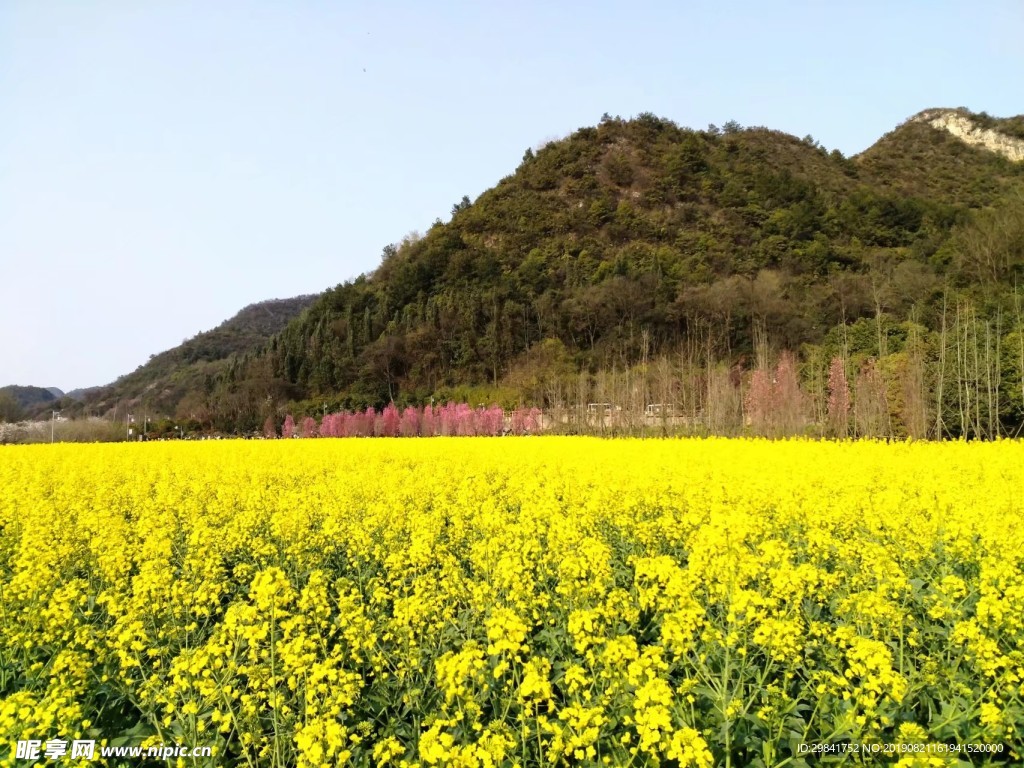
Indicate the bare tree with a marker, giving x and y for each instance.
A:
(914, 384)
(940, 380)
(870, 405)
(838, 399)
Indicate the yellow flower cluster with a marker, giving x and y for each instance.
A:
(514, 601)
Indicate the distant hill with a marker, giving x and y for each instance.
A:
(639, 234)
(169, 378)
(29, 397)
(639, 240)
(926, 160)
(19, 402)
(81, 393)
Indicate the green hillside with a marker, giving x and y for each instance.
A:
(638, 240)
(179, 380)
(918, 161)
(18, 401)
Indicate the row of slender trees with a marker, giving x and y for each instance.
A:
(965, 380)
(872, 378)
(947, 368)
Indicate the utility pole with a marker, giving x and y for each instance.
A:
(53, 419)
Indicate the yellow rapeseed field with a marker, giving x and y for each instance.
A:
(517, 601)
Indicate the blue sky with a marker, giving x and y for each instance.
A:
(164, 164)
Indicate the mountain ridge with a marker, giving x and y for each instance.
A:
(161, 382)
(961, 124)
(631, 238)
(594, 232)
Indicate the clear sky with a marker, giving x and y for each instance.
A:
(163, 164)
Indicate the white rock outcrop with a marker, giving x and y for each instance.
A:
(960, 125)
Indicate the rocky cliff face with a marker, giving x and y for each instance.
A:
(964, 128)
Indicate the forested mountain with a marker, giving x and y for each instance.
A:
(16, 401)
(29, 396)
(638, 240)
(181, 379)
